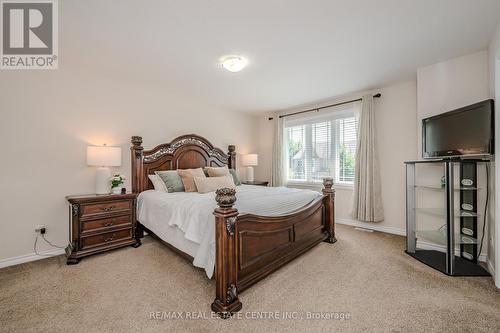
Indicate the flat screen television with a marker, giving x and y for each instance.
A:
(468, 131)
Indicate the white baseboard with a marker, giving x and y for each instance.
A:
(30, 257)
(491, 268)
(372, 226)
(402, 232)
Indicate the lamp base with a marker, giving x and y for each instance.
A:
(249, 174)
(102, 181)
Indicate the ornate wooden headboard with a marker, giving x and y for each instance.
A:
(185, 152)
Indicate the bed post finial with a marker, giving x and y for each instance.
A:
(226, 298)
(136, 140)
(225, 197)
(231, 156)
(329, 196)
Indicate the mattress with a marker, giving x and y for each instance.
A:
(185, 220)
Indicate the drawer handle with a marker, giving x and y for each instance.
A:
(108, 239)
(110, 223)
(110, 208)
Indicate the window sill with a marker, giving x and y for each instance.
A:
(339, 186)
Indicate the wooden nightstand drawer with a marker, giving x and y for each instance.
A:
(106, 223)
(107, 238)
(106, 207)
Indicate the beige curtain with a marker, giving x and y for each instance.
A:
(367, 195)
(278, 161)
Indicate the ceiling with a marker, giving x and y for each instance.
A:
(299, 52)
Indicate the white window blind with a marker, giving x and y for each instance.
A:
(322, 144)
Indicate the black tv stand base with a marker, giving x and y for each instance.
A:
(437, 260)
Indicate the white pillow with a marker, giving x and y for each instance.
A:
(211, 184)
(158, 183)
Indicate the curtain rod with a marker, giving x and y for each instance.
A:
(324, 107)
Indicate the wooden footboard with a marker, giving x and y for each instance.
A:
(249, 247)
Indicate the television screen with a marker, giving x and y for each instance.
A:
(465, 131)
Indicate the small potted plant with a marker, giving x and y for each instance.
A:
(116, 183)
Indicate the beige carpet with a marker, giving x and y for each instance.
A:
(364, 275)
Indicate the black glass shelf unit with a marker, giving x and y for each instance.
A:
(445, 236)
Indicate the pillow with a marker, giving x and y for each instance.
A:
(187, 177)
(236, 179)
(158, 183)
(217, 172)
(172, 180)
(212, 184)
(205, 171)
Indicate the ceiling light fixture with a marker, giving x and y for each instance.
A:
(234, 63)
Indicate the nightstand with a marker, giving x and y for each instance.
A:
(100, 223)
(256, 182)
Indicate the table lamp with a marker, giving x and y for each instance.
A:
(250, 160)
(103, 157)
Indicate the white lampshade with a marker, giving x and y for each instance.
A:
(104, 156)
(250, 160)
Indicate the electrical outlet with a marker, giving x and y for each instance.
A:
(41, 229)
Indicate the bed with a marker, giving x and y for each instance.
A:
(238, 237)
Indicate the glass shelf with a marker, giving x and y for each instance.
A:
(441, 212)
(439, 237)
(439, 188)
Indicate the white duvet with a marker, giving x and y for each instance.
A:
(186, 220)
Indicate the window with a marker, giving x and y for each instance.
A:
(322, 144)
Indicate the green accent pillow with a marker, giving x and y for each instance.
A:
(205, 171)
(172, 180)
(236, 179)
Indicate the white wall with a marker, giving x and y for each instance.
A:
(493, 54)
(451, 84)
(49, 117)
(264, 139)
(395, 114)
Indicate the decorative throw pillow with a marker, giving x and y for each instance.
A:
(217, 172)
(187, 177)
(158, 183)
(236, 179)
(172, 180)
(211, 184)
(205, 171)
